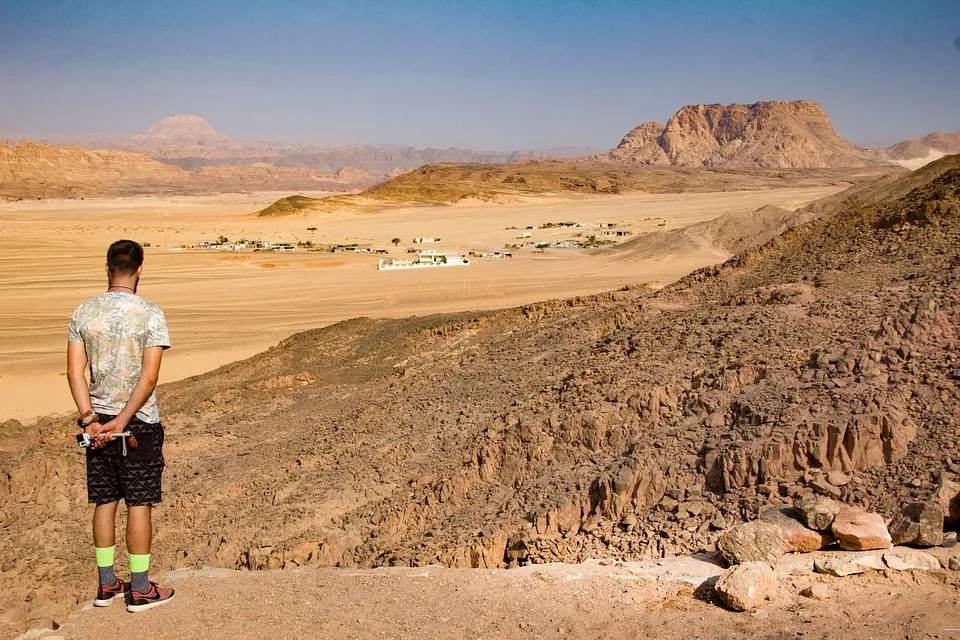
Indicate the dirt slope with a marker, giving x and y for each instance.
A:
(552, 431)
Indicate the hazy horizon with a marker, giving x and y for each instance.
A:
(497, 76)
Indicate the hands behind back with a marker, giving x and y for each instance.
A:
(103, 433)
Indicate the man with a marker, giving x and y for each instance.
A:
(119, 338)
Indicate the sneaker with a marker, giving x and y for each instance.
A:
(105, 595)
(155, 597)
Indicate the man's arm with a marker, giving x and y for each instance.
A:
(76, 368)
(149, 374)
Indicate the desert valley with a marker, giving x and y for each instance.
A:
(676, 389)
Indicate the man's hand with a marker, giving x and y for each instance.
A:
(104, 433)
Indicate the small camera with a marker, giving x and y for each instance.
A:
(84, 440)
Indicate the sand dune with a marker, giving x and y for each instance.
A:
(222, 307)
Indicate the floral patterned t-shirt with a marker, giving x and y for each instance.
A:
(115, 327)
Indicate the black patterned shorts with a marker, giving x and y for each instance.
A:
(135, 477)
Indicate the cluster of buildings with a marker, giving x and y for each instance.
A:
(428, 258)
(255, 245)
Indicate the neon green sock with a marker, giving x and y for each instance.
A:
(105, 573)
(104, 556)
(139, 563)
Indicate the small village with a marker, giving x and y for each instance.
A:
(606, 233)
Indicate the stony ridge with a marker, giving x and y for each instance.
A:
(625, 425)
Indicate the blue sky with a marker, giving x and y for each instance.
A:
(487, 74)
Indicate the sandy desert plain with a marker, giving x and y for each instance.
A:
(225, 306)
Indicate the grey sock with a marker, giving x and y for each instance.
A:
(139, 582)
(107, 576)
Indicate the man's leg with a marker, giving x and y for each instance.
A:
(104, 537)
(139, 537)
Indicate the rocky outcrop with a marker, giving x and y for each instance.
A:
(764, 134)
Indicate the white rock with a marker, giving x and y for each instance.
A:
(845, 564)
(747, 586)
(903, 559)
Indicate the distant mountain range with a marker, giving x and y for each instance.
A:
(190, 142)
(185, 154)
(36, 170)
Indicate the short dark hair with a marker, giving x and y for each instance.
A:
(124, 257)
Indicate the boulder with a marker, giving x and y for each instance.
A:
(822, 486)
(755, 541)
(797, 537)
(858, 530)
(747, 586)
(954, 564)
(920, 523)
(838, 478)
(816, 591)
(947, 495)
(903, 559)
(818, 512)
(845, 564)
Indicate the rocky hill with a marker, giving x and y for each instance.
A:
(450, 183)
(764, 134)
(933, 143)
(32, 170)
(626, 425)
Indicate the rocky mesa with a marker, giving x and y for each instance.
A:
(770, 134)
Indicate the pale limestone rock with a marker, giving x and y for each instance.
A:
(747, 586)
(845, 564)
(756, 541)
(903, 559)
(858, 530)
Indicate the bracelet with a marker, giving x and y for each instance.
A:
(87, 419)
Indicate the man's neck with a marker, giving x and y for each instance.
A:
(128, 287)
